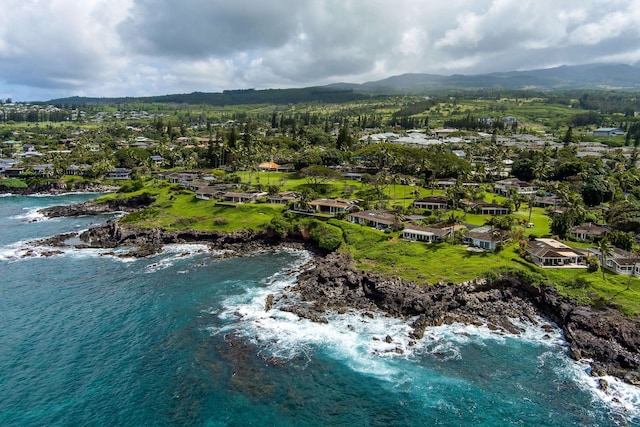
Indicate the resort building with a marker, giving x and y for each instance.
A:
(551, 253)
(376, 219)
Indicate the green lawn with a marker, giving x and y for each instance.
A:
(386, 253)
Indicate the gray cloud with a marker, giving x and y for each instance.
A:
(208, 27)
(144, 47)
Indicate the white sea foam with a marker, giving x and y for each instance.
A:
(622, 399)
(31, 215)
(26, 250)
(361, 343)
(171, 253)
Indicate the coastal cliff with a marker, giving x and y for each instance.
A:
(602, 335)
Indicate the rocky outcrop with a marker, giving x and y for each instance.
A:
(91, 207)
(145, 242)
(609, 339)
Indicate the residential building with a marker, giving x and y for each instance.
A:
(431, 203)
(425, 234)
(334, 206)
(503, 187)
(588, 231)
(551, 253)
(118, 174)
(375, 219)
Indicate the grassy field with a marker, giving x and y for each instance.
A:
(386, 253)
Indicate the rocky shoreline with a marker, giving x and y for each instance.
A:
(602, 335)
(55, 188)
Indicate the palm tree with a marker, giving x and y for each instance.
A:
(636, 252)
(606, 251)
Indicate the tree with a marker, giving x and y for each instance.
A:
(568, 137)
(344, 142)
(625, 216)
(318, 174)
(606, 252)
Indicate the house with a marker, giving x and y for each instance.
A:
(608, 132)
(283, 198)
(268, 166)
(158, 160)
(78, 170)
(509, 121)
(6, 163)
(13, 172)
(433, 203)
(451, 182)
(486, 208)
(485, 238)
(181, 178)
(286, 168)
(620, 261)
(551, 253)
(118, 174)
(503, 186)
(45, 170)
(233, 197)
(421, 233)
(588, 231)
(333, 206)
(550, 201)
(207, 193)
(375, 219)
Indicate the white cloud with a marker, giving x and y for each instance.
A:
(149, 47)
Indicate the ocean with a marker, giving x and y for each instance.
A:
(182, 338)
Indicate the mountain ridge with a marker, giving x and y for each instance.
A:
(565, 77)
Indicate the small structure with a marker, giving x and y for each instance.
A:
(486, 208)
(13, 172)
(45, 170)
(433, 203)
(588, 231)
(485, 238)
(620, 261)
(422, 233)
(268, 166)
(375, 219)
(503, 186)
(207, 193)
(334, 206)
(551, 253)
(118, 174)
(233, 197)
(283, 198)
(78, 170)
(608, 132)
(158, 160)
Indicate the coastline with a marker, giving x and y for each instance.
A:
(56, 188)
(609, 341)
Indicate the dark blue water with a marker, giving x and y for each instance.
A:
(182, 338)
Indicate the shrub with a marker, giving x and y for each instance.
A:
(281, 225)
(184, 222)
(327, 236)
(220, 220)
(577, 283)
(592, 264)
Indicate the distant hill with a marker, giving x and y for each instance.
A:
(232, 97)
(592, 76)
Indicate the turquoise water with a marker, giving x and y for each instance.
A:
(182, 338)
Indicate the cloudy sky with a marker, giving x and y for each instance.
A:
(55, 48)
